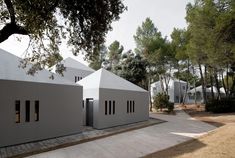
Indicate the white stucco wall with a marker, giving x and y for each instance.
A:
(60, 111)
(121, 116)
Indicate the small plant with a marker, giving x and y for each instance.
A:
(161, 100)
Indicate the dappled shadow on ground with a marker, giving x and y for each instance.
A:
(180, 149)
(198, 112)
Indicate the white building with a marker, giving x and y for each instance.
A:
(36, 107)
(75, 70)
(176, 89)
(111, 100)
(198, 93)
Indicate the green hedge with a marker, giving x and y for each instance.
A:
(221, 106)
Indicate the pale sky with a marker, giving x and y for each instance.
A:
(166, 14)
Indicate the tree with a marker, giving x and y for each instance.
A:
(83, 24)
(156, 50)
(208, 45)
(180, 39)
(133, 68)
(98, 58)
(113, 56)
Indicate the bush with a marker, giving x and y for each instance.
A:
(221, 106)
(161, 100)
(170, 107)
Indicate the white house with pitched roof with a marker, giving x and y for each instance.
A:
(111, 100)
(196, 94)
(75, 70)
(176, 89)
(36, 107)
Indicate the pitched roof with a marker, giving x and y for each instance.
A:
(72, 63)
(9, 70)
(105, 79)
(199, 89)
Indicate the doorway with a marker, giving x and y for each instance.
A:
(89, 111)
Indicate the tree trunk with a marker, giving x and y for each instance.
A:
(203, 84)
(194, 84)
(223, 83)
(217, 84)
(212, 90)
(179, 84)
(150, 96)
(227, 89)
(186, 89)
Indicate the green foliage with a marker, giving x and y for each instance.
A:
(82, 24)
(133, 69)
(161, 100)
(221, 106)
(113, 56)
(155, 49)
(98, 58)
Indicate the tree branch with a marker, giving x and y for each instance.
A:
(11, 10)
(9, 29)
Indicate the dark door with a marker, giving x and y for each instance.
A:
(89, 111)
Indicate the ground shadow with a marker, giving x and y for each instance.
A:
(177, 150)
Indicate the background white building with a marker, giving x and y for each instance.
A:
(197, 92)
(75, 70)
(176, 89)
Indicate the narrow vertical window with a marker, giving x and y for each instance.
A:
(27, 111)
(130, 106)
(36, 117)
(106, 107)
(127, 106)
(133, 109)
(113, 107)
(110, 107)
(17, 111)
(75, 79)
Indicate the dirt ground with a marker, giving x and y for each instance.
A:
(219, 143)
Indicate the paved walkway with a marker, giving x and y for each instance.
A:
(88, 134)
(137, 143)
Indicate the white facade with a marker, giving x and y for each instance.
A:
(36, 107)
(75, 70)
(176, 89)
(198, 93)
(111, 100)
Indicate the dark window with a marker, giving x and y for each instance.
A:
(83, 104)
(133, 106)
(80, 78)
(36, 110)
(106, 107)
(113, 107)
(110, 104)
(17, 111)
(75, 78)
(130, 106)
(27, 111)
(127, 106)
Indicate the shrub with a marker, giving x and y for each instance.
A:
(161, 100)
(221, 106)
(170, 107)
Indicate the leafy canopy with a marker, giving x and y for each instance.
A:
(82, 24)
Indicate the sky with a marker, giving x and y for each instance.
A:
(165, 14)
